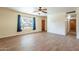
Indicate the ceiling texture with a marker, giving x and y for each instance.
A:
(51, 10)
(32, 10)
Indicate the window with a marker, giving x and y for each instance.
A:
(27, 22)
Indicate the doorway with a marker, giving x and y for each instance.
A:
(71, 24)
(44, 26)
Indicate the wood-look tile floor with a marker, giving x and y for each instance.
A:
(42, 41)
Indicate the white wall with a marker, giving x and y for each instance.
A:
(77, 22)
(8, 23)
(56, 22)
(56, 19)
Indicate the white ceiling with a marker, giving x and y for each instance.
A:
(50, 10)
(29, 10)
(60, 9)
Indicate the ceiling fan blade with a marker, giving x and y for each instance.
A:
(44, 11)
(36, 11)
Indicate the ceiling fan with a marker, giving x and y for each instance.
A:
(40, 10)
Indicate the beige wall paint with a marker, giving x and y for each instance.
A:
(8, 23)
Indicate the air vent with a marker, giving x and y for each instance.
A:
(71, 12)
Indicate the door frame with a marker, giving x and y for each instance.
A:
(66, 26)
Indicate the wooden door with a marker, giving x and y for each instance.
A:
(73, 25)
(43, 25)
